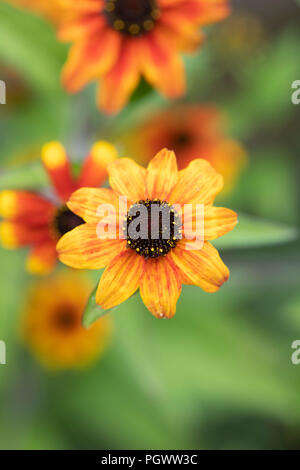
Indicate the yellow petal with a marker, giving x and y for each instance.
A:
(218, 221)
(203, 268)
(127, 178)
(162, 175)
(81, 248)
(86, 202)
(198, 183)
(120, 280)
(160, 287)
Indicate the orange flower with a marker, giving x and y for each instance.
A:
(159, 265)
(33, 220)
(51, 324)
(190, 130)
(120, 40)
(53, 10)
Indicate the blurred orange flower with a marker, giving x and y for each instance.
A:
(51, 323)
(120, 40)
(34, 220)
(158, 265)
(192, 131)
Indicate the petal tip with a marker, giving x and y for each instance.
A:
(53, 155)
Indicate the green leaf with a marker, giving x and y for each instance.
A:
(92, 310)
(28, 43)
(31, 176)
(265, 101)
(255, 232)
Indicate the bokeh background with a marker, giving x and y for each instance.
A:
(219, 374)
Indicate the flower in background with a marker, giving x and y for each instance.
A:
(33, 220)
(191, 131)
(53, 10)
(158, 267)
(51, 324)
(118, 41)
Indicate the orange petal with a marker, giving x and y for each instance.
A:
(25, 207)
(195, 11)
(162, 175)
(42, 258)
(81, 248)
(86, 202)
(199, 183)
(203, 268)
(212, 11)
(168, 3)
(94, 170)
(218, 221)
(127, 178)
(118, 84)
(91, 58)
(83, 6)
(183, 34)
(80, 27)
(58, 167)
(14, 234)
(120, 280)
(213, 222)
(161, 65)
(160, 287)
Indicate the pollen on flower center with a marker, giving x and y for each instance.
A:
(152, 228)
(132, 17)
(65, 221)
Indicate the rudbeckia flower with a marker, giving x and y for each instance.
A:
(190, 130)
(121, 40)
(37, 221)
(51, 323)
(159, 265)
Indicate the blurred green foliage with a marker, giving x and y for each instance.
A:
(219, 374)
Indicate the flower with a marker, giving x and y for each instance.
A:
(51, 323)
(157, 266)
(121, 40)
(190, 130)
(33, 220)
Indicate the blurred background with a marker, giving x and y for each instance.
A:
(219, 374)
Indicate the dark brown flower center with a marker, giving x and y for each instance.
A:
(131, 17)
(181, 140)
(65, 319)
(65, 221)
(152, 228)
